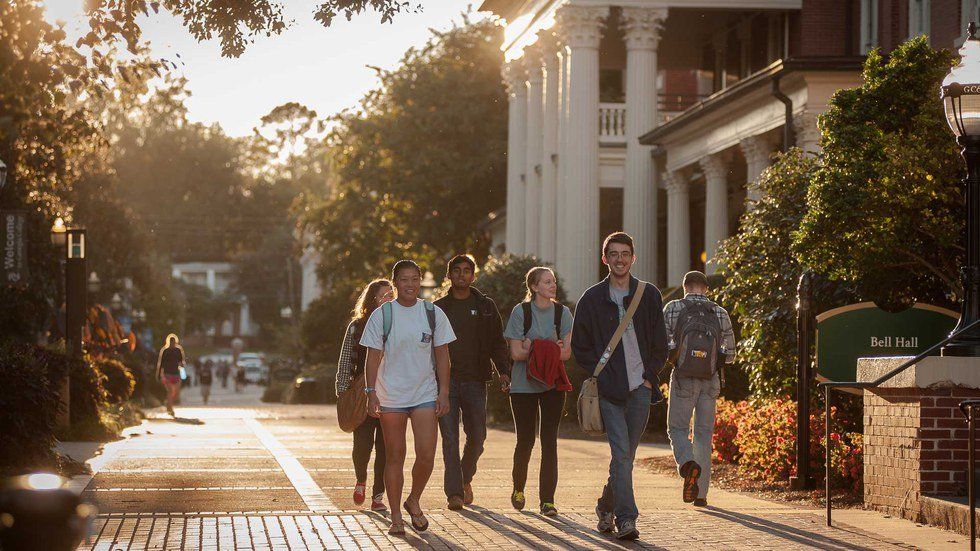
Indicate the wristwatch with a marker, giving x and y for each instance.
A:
(368, 389)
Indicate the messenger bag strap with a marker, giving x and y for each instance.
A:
(623, 324)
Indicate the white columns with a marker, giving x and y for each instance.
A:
(581, 30)
(641, 28)
(516, 155)
(715, 168)
(678, 227)
(563, 240)
(532, 164)
(549, 169)
(806, 131)
(757, 150)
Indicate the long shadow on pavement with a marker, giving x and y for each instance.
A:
(584, 532)
(418, 540)
(187, 421)
(485, 516)
(784, 531)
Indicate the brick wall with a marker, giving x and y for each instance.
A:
(915, 443)
(945, 23)
(822, 31)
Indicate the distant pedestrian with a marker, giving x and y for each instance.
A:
(701, 342)
(628, 382)
(223, 372)
(169, 364)
(538, 332)
(240, 381)
(479, 347)
(205, 378)
(408, 378)
(350, 366)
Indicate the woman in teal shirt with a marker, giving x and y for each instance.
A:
(531, 400)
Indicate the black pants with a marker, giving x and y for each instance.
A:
(528, 409)
(368, 436)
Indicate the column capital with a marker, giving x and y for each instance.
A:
(642, 27)
(756, 148)
(676, 181)
(533, 60)
(715, 167)
(806, 129)
(581, 26)
(515, 74)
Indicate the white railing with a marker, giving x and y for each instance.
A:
(612, 123)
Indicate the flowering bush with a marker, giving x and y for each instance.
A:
(761, 440)
(118, 380)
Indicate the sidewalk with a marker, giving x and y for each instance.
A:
(262, 476)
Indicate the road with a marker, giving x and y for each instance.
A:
(240, 474)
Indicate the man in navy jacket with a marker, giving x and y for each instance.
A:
(629, 383)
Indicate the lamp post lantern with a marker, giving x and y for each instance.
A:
(961, 99)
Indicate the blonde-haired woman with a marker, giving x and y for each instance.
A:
(531, 400)
(169, 362)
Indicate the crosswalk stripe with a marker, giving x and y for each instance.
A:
(301, 480)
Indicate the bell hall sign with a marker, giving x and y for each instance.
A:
(864, 331)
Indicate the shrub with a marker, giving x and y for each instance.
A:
(761, 439)
(88, 400)
(274, 392)
(119, 382)
(29, 405)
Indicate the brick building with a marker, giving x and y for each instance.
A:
(658, 116)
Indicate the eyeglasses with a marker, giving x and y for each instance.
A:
(616, 255)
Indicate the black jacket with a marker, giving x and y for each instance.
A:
(492, 346)
(596, 319)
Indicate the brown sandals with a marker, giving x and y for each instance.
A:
(419, 522)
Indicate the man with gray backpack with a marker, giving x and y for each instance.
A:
(701, 342)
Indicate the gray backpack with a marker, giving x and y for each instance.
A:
(697, 334)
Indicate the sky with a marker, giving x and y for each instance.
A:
(323, 68)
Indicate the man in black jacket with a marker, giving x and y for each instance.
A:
(479, 342)
(629, 382)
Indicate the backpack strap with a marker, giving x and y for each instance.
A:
(386, 315)
(430, 313)
(559, 312)
(526, 307)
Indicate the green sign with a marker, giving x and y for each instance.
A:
(863, 330)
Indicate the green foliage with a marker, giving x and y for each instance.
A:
(119, 382)
(885, 210)
(235, 24)
(399, 196)
(762, 273)
(502, 279)
(88, 399)
(201, 307)
(29, 405)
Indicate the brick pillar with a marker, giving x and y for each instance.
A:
(915, 444)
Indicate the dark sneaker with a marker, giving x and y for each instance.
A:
(607, 521)
(378, 503)
(628, 531)
(517, 500)
(468, 494)
(700, 502)
(690, 471)
(549, 510)
(455, 503)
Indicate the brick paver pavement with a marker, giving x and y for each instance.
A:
(243, 475)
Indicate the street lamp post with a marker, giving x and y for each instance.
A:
(961, 98)
(71, 241)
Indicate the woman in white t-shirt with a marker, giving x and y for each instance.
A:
(408, 378)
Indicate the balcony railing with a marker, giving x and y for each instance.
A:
(612, 123)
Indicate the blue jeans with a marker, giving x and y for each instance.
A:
(698, 397)
(624, 424)
(467, 400)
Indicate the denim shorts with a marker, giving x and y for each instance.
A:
(409, 409)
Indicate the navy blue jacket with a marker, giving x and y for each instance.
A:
(596, 319)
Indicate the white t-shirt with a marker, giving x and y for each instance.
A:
(407, 375)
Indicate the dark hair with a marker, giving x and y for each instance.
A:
(404, 265)
(365, 302)
(620, 237)
(461, 259)
(533, 277)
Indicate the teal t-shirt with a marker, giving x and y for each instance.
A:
(542, 327)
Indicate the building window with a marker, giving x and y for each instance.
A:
(869, 25)
(919, 17)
